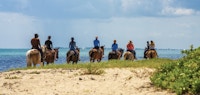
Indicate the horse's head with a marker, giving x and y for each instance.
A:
(121, 51)
(44, 48)
(102, 47)
(56, 50)
(78, 49)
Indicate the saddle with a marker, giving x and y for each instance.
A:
(113, 52)
(72, 52)
(34, 51)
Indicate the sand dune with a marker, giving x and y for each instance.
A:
(125, 81)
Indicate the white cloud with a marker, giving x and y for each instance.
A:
(177, 11)
(109, 19)
(17, 29)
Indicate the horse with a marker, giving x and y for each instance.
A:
(51, 55)
(129, 56)
(96, 54)
(151, 54)
(33, 56)
(114, 55)
(72, 56)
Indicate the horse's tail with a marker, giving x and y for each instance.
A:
(109, 56)
(155, 54)
(69, 55)
(90, 53)
(28, 58)
(125, 56)
(151, 54)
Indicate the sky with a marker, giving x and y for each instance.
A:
(171, 24)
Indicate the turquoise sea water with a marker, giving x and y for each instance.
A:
(16, 58)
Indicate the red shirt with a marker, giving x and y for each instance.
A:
(130, 46)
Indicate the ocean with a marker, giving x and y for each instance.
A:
(16, 58)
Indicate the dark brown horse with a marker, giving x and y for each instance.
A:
(115, 55)
(72, 56)
(151, 54)
(129, 56)
(51, 55)
(96, 54)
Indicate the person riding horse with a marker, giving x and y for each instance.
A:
(115, 49)
(73, 47)
(130, 48)
(97, 52)
(150, 47)
(50, 54)
(96, 43)
(49, 43)
(35, 42)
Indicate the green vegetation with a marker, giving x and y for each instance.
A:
(97, 68)
(181, 76)
(153, 63)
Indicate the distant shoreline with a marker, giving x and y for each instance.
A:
(91, 48)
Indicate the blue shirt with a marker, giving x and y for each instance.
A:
(72, 45)
(96, 43)
(114, 47)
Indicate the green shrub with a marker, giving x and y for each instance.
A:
(93, 70)
(182, 76)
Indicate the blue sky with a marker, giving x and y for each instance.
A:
(169, 23)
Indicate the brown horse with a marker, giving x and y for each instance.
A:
(33, 56)
(72, 56)
(151, 54)
(114, 55)
(129, 56)
(51, 55)
(96, 54)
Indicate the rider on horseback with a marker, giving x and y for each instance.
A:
(115, 49)
(152, 45)
(149, 47)
(35, 42)
(49, 43)
(96, 43)
(130, 48)
(73, 47)
(49, 46)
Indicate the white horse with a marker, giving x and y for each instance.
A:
(33, 56)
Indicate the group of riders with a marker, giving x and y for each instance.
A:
(35, 42)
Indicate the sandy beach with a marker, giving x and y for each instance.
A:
(124, 81)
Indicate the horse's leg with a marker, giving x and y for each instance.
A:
(68, 60)
(55, 55)
(28, 63)
(41, 64)
(99, 60)
(34, 64)
(119, 55)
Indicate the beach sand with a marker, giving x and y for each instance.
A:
(115, 81)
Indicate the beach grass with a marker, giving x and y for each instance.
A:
(151, 63)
